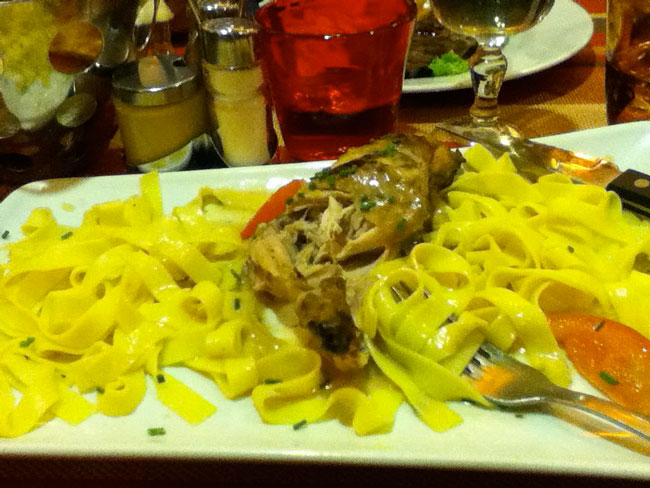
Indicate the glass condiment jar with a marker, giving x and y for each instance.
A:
(239, 110)
(161, 112)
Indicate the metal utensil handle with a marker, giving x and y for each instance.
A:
(152, 25)
(603, 418)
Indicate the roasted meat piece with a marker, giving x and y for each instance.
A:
(309, 263)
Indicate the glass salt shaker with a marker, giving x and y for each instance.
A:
(240, 114)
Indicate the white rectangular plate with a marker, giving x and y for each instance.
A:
(488, 440)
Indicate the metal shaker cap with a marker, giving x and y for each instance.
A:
(214, 9)
(155, 80)
(229, 43)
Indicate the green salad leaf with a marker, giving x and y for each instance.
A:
(448, 64)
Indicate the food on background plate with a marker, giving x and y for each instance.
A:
(432, 41)
(92, 311)
(30, 88)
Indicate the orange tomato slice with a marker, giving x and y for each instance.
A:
(613, 357)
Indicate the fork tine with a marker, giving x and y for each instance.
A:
(397, 293)
(401, 291)
(482, 357)
(473, 369)
(490, 351)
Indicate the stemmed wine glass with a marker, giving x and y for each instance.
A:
(490, 22)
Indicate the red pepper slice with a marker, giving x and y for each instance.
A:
(451, 144)
(274, 206)
(612, 356)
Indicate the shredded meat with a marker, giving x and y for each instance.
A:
(309, 263)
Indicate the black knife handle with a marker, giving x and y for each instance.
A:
(634, 189)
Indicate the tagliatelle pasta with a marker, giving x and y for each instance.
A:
(90, 313)
(503, 253)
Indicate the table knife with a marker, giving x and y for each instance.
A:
(534, 159)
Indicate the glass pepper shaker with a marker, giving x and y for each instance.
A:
(240, 114)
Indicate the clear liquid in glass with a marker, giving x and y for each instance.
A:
(485, 19)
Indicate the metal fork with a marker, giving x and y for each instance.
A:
(510, 384)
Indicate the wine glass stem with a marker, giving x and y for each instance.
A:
(488, 68)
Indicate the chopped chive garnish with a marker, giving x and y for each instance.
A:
(160, 378)
(100, 390)
(389, 150)
(272, 381)
(320, 175)
(289, 201)
(391, 199)
(312, 186)
(570, 249)
(301, 194)
(27, 342)
(236, 303)
(608, 378)
(237, 277)
(5, 234)
(153, 431)
(299, 425)
(400, 225)
(367, 206)
(331, 180)
(599, 325)
(66, 235)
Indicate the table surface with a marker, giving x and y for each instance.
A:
(564, 98)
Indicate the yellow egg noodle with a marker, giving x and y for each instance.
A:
(503, 253)
(90, 312)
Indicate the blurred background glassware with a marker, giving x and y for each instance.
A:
(161, 112)
(490, 22)
(56, 61)
(240, 113)
(335, 73)
(627, 69)
(152, 33)
(180, 22)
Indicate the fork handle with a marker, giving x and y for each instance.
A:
(603, 418)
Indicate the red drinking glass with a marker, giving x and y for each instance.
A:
(335, 70)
